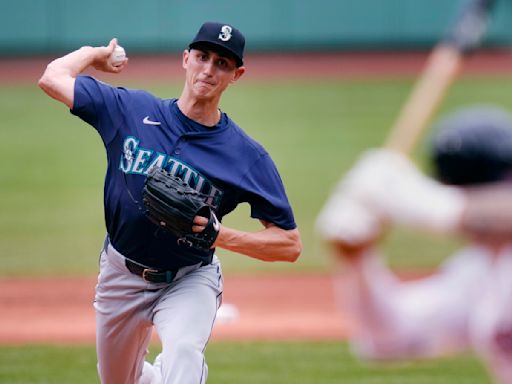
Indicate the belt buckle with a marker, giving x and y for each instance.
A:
(146, 271)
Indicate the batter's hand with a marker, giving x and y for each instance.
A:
(351, 253)
(102, 58)
(348, 220)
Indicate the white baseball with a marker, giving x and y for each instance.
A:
(118, 56)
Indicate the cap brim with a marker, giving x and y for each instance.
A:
(218, 48)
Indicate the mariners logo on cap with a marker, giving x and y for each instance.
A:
(225, 33)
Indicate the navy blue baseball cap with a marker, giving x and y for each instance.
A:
(474, 146)
(224, 37)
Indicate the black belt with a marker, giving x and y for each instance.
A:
(150, 274)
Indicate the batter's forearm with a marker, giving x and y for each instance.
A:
(270, 244)
(486, 216)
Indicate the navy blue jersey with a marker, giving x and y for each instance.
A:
(140, 131)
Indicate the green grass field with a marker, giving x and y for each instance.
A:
(250, 363)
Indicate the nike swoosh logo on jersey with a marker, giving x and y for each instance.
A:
(150, 122)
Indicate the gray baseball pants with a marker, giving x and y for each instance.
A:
(182, 312)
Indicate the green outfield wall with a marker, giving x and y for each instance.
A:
(49, 26)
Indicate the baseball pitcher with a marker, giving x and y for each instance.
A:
(175, 168)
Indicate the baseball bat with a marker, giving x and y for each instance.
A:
(441, 69)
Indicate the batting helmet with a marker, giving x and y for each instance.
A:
(473, 146)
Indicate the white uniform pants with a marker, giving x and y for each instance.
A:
(183, 313)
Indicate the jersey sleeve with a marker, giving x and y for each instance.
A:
(98, 104)
(266, 194)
